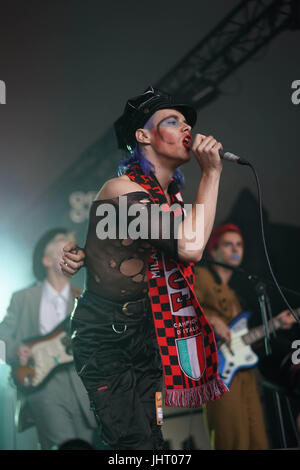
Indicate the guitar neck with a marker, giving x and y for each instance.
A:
(259, 332)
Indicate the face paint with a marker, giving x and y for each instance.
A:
(173, 121)
(170, 121)
(170, 130)
(149, 124)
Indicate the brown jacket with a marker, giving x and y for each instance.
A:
(216, 298)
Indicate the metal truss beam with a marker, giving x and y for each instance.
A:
(196, 78)
(245, 30)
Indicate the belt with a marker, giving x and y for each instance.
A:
(135, 306)
(128, 308)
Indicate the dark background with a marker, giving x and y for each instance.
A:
(69, 67)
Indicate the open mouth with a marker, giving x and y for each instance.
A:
(187, 141)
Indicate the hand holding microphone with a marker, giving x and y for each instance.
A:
(204, 147)
(206, 150)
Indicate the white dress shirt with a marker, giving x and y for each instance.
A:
(53, 307)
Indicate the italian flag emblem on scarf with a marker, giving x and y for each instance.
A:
(185, 338)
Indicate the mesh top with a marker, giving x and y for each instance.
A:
(117, 267)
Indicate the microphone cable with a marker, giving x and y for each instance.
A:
(246, 162)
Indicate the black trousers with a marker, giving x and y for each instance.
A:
(117, 358)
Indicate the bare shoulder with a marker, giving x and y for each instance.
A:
(117, 186)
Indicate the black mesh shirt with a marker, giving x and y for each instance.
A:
(116, 262)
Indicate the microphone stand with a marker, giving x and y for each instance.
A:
(251, 277)
(266, 315)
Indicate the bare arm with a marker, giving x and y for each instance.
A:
(190, 244)
(195, 228)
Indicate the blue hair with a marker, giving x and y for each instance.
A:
(137, 156)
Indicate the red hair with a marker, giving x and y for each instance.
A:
(213, 242)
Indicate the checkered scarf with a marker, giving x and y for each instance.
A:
(185, 338)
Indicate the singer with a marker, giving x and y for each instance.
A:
(123, 332)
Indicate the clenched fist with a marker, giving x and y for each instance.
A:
(206, 150)
(72, 260)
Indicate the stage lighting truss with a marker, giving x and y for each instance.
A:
(239, 36)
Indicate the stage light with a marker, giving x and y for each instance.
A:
(16, 268)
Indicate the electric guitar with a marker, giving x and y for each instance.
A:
(240, 355)
(48, 352)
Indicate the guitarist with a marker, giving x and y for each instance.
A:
(237, 418)
(59, 408)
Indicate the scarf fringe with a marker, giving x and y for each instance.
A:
(196, 397)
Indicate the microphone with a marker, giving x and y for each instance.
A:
(230, 157)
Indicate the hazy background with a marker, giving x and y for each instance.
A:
(69, 67)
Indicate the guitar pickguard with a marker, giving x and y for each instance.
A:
(48, 352)
(47, 355)
(240, 355)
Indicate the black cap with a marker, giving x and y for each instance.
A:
(39, 269)
(140, 108)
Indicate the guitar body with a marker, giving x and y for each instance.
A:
(48, 353)
(241, 355)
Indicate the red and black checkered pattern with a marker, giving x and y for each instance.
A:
(181, 389)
